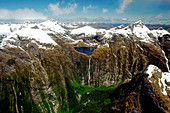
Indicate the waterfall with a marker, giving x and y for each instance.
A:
(89, 72)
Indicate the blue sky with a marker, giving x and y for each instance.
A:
(115, 11)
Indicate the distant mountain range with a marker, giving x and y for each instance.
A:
(89, 35)
(110, 25)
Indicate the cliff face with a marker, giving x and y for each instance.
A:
(148, 93)
(164, 44)
(125, 73)
(123, 59)
(34, 79)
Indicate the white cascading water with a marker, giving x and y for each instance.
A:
(89, 72)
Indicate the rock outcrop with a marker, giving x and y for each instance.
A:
(146, 93)
(164, 43)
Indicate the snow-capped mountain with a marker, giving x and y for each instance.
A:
(42, 71)
(17, 35)
(87, 34)
(52, 25)
(87, 30)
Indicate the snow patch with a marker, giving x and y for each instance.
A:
(166, 60)
(12, 40)
(150, 70)
(4, 29)
(165, 77)
(141, 31)
(140, 47)
(54, 26)
(106, 44)
(159, 33)
(36, 34)
(77, 41)
(123, 32)
(87, 30)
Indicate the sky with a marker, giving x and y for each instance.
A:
(102, 11)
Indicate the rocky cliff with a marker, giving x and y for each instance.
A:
(148, 93)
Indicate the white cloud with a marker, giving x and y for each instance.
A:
(124, 19)
(123, 6)
(85, 9)
(57, 10)
(21, 14)
(158, 16)
(104, 10)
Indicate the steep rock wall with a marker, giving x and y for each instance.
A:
(123, 59)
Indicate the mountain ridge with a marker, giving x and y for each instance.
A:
(52, 26)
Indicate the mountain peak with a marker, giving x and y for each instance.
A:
(139, 23)
(138, 26)
(120, 27)
(52, 20)
(88, 30)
